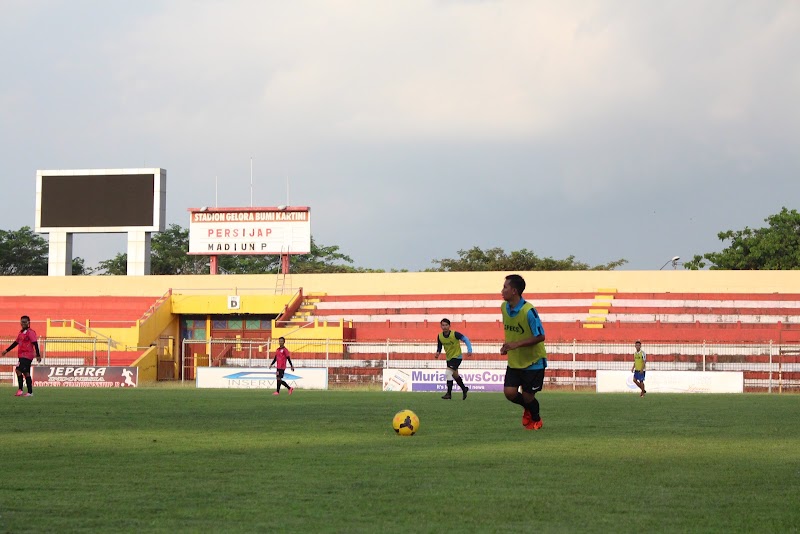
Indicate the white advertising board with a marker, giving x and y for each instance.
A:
(260, 378)
(672, 382)
(435, 380)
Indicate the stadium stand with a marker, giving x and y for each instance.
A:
(674, 317)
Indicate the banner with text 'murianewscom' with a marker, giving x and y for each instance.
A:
(436, 380)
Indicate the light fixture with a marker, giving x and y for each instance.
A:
(673, 261)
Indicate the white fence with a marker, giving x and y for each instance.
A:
(767, 366)
(58, 351)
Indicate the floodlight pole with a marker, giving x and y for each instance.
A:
(214, 265)
(284, 264)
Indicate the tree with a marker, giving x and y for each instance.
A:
(168, 255)
(496, 259)
(79, 267)
(776, 247)
(22, 252)
(25, 253)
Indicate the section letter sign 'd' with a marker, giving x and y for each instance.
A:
(84, 376)
(219, 231)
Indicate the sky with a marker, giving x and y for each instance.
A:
(413, 129)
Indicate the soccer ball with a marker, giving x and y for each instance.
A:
(405, 423)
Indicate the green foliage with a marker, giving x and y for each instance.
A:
(22, 253)
(775, 247)
(496, 259)
(169, 256)
(25, 253)
(79, 267)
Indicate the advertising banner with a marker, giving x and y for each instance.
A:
(84, 376)
(260, 378)
(436, 380)
(672, 382)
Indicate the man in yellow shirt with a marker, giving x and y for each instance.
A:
(524, 345)
(638, 369)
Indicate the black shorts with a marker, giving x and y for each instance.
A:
(279, 373)
(531, 381)
(24, 366)
(453, 363)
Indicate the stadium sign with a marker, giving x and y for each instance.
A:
(225, 231)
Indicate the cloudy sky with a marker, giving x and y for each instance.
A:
(604, 130)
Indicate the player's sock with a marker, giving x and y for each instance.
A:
(460, 383)
(19, 380)
(533, 407)
(284, 384)
(449, 387)
(29, 382)
(519, 400)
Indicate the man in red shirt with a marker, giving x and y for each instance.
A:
(28, 348)
(282, 356)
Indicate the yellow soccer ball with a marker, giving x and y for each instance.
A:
(405, 423)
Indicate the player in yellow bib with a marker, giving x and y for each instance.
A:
(638, 369)
(524, 345)
(450, 341)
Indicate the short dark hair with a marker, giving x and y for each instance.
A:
(283, 338)
(445, 321)
(517, 282)
(25, 317)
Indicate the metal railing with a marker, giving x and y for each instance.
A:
(569, 363)
(58, 351)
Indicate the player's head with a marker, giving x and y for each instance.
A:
(513, 287)
(281, 340)
(445, 324)
(638, 344)
(25, 321)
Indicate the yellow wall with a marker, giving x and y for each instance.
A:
(218, 304)
(148, 365)
(333, 331)
(679, 281)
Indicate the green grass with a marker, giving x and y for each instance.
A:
(178, 459)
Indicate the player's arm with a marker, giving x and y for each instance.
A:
(10, 347)
(465, 339)
(288, 359)
(273, 360)
(438, 347)
(38, 354)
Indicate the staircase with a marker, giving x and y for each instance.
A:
(305, 313)
(598, 312)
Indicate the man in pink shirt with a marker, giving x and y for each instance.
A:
(281, 356)
(28, 349)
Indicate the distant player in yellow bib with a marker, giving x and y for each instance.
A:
(638, 369)
(524, 345)
(450, 341)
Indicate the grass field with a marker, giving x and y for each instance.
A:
(179, 459)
